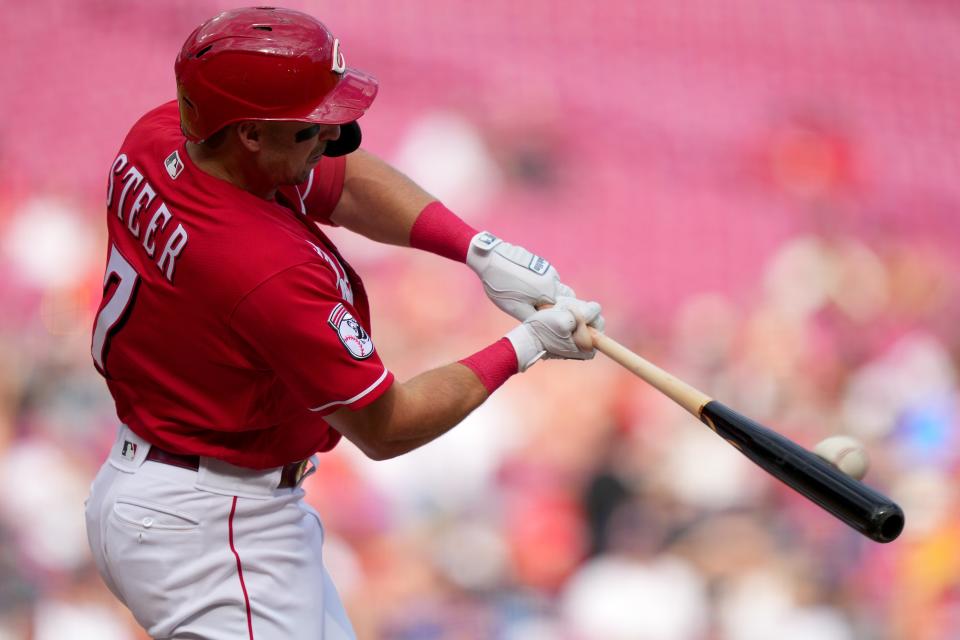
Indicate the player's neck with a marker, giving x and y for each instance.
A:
(222, 166)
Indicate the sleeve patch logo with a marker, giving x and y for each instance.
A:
(357, 341)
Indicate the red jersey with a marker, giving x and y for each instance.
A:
(230, 325)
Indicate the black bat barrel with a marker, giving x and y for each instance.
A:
(869, 512)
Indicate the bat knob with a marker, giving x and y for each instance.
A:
(582, 336)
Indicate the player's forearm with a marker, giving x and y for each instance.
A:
(434, 402)
(378, 201)
(412, 413)
(382, 204)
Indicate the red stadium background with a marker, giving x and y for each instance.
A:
(762, 193)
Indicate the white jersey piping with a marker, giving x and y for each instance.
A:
(354, 398)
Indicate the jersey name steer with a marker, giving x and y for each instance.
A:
(133, 210)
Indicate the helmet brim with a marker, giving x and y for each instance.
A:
(347, 101)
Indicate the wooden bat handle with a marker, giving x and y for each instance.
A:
(691, 399)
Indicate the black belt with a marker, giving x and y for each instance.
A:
(289, 477)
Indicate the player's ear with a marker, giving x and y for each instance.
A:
(250, 134)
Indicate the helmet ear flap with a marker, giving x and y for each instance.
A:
(348, 142)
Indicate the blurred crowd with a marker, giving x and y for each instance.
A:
(577, 504)
(802, 267)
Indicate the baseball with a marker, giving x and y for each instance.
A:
(846, 453)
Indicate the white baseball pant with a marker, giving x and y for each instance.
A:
(216, 553)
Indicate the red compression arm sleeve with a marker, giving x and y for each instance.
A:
(494, 364)
(440, 231)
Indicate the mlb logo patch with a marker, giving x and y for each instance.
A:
(128, 450)
(351, 334)
(173, 164)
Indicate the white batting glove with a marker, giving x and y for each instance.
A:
(589, 311)
(550, 333)
(513, 278)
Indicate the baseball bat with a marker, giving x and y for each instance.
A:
(866, 510)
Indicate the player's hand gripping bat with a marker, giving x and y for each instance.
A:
(869, 512)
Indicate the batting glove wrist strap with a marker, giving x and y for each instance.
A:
(515, 279)
(528, 347)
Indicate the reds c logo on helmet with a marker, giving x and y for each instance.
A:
(338, 66)
(263, 63)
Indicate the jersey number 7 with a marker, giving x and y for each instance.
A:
(115, 310)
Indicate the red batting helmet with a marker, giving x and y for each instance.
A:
(265, 63)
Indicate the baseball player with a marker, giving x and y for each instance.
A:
(236, 339)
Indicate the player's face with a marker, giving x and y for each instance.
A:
(289, 150)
